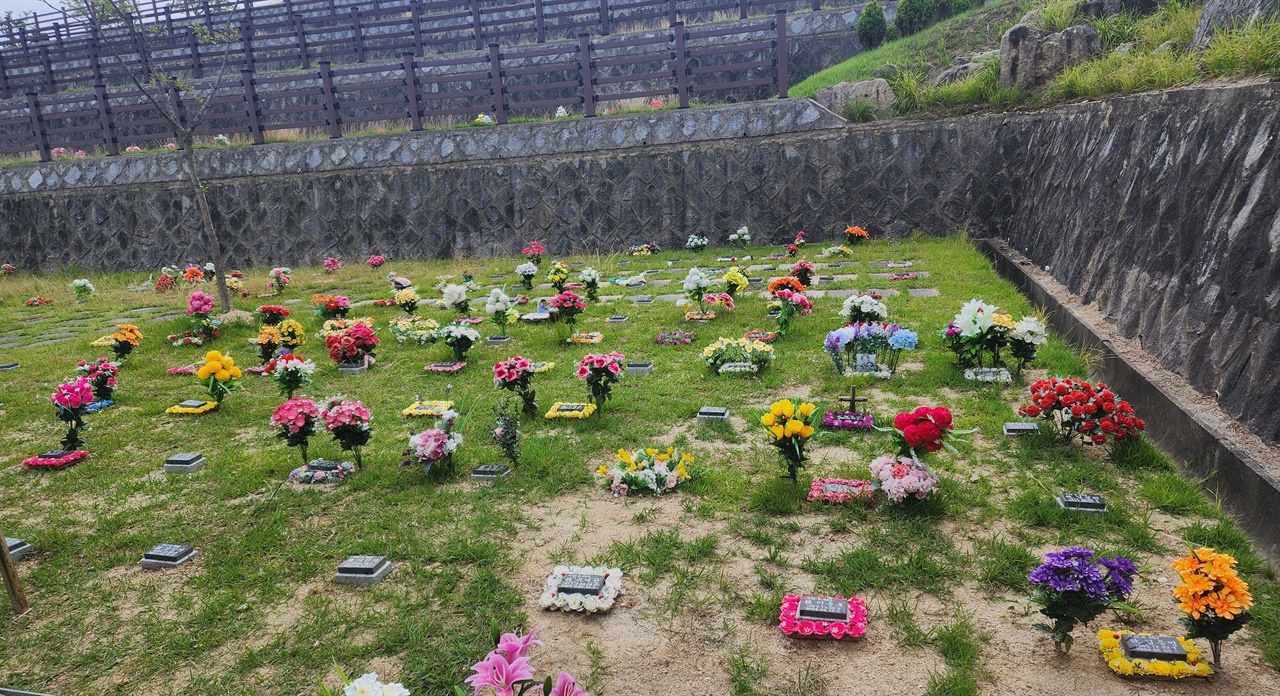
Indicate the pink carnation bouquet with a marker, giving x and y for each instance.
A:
(295, 423)
(600, 372)
(348, 421)
(375, 261)
(199, 304)
(69, 402)
(515, 374)
(569, 304)
(331, 264)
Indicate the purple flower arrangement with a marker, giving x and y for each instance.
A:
(847, 420)
(1076, 585)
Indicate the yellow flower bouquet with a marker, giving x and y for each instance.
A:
(434, 409)
(789, 428)
(650, 470)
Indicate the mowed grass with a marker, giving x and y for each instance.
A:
(258, 612)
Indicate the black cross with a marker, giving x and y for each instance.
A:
(853, 398)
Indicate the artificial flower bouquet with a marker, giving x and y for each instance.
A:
(83, 289)
(1076, 585)
(1025, 338)
(527, 271)
(869, 348)
(789, 429)
(349, 422)
(643, 249)
(516, 375)
(590, 279)
(125, 338)
(459, 338)
(220, 377)
(569, 304)
(741, 237)
(836, 252)
(279, 278)
(696, 282)
(292, 334)
(291, 372)
(902, 477)
(353, 346)
(434, 448)
(696, 243)
(507, 671)
(864, 309)
(761, 336)
(980, 331)
(735, 281)
(7, 269)
(407, 299)
(1213, 597)
(295, 422)
(273, 314)
(1077, 408)
(37, 301)
(455, 297)
(417, 329)
(572, 411)
(164, 283)
(204, 327)
(558, 275)
(744, 354)
(803, 271)
(337, 326)
(600, 372)
(103, 378)
(649, 470)
(790, 623)
(267, 341)
(501, 309)
(70, 400)
(554, 600)
(719, 299)
(375, 261)
(927, 428)
(331, 265)
(840, 491)
(533, 252)
(791, 304)
(854, 234)
(674, 338)
(1111, 644)
(784, 283)
(330, 306)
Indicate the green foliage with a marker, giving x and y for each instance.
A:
(1172, 493)
(908, 91)
(1120, 73)
(1175, 21)
(1004, 565)
(1059, 15)
(913, 16)
(1138, 455)
(1247, 50)
(778, 496)
(891, 33)
(871, 26)
(861, 111)
(1120, 28)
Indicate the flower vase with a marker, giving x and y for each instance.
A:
(1215, 647)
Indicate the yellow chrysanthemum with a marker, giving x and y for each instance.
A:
(212, 356)
(222, 375)
(204, 372)
(236, 373)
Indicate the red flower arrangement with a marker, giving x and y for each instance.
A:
(790, 624)
(273, 314)
(352, 346)
(924, 427)
(1076, 407)
(37, 301)
(164, 283)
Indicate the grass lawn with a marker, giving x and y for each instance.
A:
(706, 566)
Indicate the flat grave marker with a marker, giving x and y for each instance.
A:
(1083, 502)
(167, 556)
(489, 473)
(362, 570)
(5, 367)
(1015, 429)
(617, 319)
(814, 608)
(713, 413)
(17, 548)
(639, 367)
(184, 463)
(1164, 648)
(582, 584)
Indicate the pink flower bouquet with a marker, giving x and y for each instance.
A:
(375, 261)
(295, 423)
(600, 372)
(791, 625)
(331, 264)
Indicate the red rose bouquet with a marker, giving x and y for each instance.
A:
(353, 346)
(273, 314)
(927, 428)
(1078, 408)
(569, 304)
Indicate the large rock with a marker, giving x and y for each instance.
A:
(835, 97)
(1108, 8)
(1222, 13)
(956, 73)
(1030, 57)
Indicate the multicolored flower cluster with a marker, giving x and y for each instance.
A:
(1077, 408)
(569, 304)
(331, 306)
(840, 491)
(725, 351)
(792, 304)
(674, 338)
(417, 329)
(102, 375)
(644, 249)
(353, 346)
(650, 470)
(558, 275)
(291, 372)
(1113, 654)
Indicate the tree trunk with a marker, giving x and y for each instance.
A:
(206, 220)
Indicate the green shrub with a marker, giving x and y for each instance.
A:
(871, 26)
(1057, 16)
(1119, 73)
(908, 91)
(1174, 21)
(891, 33)
(1247, 50)
(1117, 29)
(913, 15)
(861, 111)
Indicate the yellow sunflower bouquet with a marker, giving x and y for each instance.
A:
(789, 427)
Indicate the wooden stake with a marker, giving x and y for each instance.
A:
(10, 573)
(853, 398)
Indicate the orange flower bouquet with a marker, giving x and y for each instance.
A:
(1216, 601)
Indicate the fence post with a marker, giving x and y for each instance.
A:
(742, 9)
(37, 126)
(94, 64)
(193, 47)
(246, 41)
(139, 47)
(248, 12)
(104, 119)
(415, 15)
(586, 75)
(357, 34)
(817, 5)
(495, 84)
(300, 31)
(540, 20)
(780, 53)
(330, 100)
(251, 106)
(411, 91)
(604, 17)
(671, 13)
(179, 113)
(168, 22)
(682, 65)
(22, 34)
(4, 80)
(46, 67)
(208, 15)
(57, 33)
(475, 24)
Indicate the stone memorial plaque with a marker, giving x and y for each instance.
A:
(638, 367)
(826, 278)
(571, 408)
(773, 313)
(498, 340)
(497, 276)
(642, 299)
(17, 548)
(617, 319)
(1165, 648)
(1015, 429)
(490, 472)
(444, 364)
(755, 281)
(184, 463)
(351, 369)
(838, 488)
(822, 609)
(624, 263)
(323, 465)
(54, 454)
(362, 570)
(582, 584)
(167, 556)
(191, 403)
(1082, 502)
(713, 413)
(5, 367)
